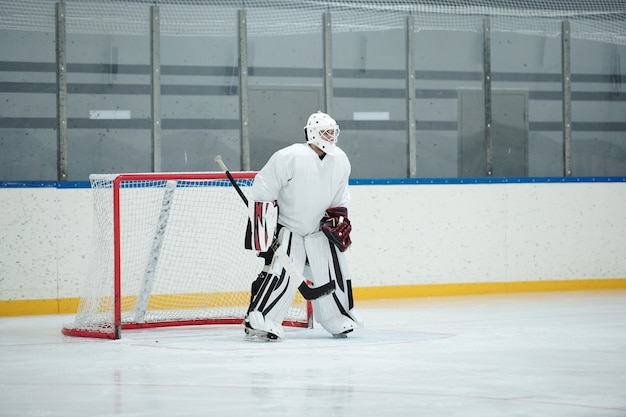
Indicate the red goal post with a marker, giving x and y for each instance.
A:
(168, 250)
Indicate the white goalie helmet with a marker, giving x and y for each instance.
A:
(322, 131)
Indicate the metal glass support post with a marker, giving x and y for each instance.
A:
(328, 62)
(61, 70)
(155, 65)
(243, 90)
(487, 94)
(567, 98)
(410, 100)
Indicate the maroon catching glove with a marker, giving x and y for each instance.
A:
(337, 227)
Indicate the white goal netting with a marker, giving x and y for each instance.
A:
(601, 20)
(180, 255)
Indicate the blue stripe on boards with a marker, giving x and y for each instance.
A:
(482, 180)
(362, 181)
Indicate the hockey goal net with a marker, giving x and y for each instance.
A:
(169, 251)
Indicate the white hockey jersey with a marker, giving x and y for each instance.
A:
(304, 185)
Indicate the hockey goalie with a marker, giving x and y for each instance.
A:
(298, 222)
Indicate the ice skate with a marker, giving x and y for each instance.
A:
(260, 335)
(254, 333)
(342, 335)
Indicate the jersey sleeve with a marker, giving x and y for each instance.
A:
(272, 177)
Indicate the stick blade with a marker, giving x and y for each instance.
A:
(310, 293)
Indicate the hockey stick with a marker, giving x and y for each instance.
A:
(219, 161)
(309, 293)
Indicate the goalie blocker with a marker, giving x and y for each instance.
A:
(262, 221)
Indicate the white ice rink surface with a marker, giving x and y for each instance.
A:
(559, 354)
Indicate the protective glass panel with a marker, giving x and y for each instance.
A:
(446, 63)
(369, 87)
(28, 140)
(527, 64)
(108, 94)
(598, 108)
(199, 89)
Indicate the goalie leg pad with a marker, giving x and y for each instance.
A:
(335, 312)
(271, 302)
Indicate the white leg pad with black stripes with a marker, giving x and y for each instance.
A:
(335, 312)
(271, 304)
